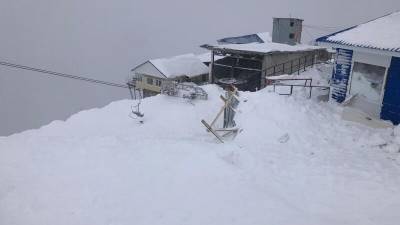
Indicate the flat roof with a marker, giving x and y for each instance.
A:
(262, 48)
(287, 18)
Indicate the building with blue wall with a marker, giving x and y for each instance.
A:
(367, 67)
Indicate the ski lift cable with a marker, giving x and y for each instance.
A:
(321, 26)
(80, 78)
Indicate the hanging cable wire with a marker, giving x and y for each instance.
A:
(321, 26)
(63, 75)
(309, 34)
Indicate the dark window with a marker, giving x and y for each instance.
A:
(158, 83)
(291, 35)
(150, 81)
(292, 24)
(205, 77)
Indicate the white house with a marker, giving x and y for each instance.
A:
(151, 74)
(367, 67)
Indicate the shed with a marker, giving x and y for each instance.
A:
(287, 30)
(150, 75)
(249, 64)
(367, 66)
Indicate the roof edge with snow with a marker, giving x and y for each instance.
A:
(261, 48)
(182, 65)
(334, 40)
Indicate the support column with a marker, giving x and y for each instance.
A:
(211, 73)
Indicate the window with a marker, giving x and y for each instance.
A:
(291, 35)
(292, 24)
(158, 83)
(150, 81)
(205, 78)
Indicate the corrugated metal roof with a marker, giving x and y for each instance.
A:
(380, 34)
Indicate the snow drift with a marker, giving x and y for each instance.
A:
(295, 162)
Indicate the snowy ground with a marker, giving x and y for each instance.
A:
(295, 162)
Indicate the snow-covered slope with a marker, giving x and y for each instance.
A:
(295, 162)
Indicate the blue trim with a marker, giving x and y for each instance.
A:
(325, 38)
(341, 74)
(391, 100)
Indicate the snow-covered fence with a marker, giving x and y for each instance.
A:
(184, 90)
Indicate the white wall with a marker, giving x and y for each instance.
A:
(370, 58)
(148, 69)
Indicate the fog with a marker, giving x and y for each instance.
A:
(105, 39)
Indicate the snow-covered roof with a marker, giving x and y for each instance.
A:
(263, 48)
(265, 36)
(247, 39)
(206, 57)
(182, 65)
(382, 34)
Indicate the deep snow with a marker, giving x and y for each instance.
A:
(295, 162)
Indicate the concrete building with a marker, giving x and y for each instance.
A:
(367, 67)
(247, 65)
(287, 31)
(150, 75)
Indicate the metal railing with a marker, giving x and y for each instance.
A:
(292, 66)
(307, 84)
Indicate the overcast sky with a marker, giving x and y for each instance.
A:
(104, 39)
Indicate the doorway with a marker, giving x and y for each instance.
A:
(366, 87)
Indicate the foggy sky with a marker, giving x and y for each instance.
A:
(104, 39)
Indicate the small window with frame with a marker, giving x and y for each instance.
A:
(291, 35)
(292, 23)
(158, 83)
(150, 81)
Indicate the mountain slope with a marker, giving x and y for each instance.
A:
(295, 162)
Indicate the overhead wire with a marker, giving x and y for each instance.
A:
(64, 75)
(321, 28)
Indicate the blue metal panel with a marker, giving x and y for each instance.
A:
(391, 100)
(341, 74)
(246, 39)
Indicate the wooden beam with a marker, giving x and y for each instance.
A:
(211, 75)
(237, 67)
